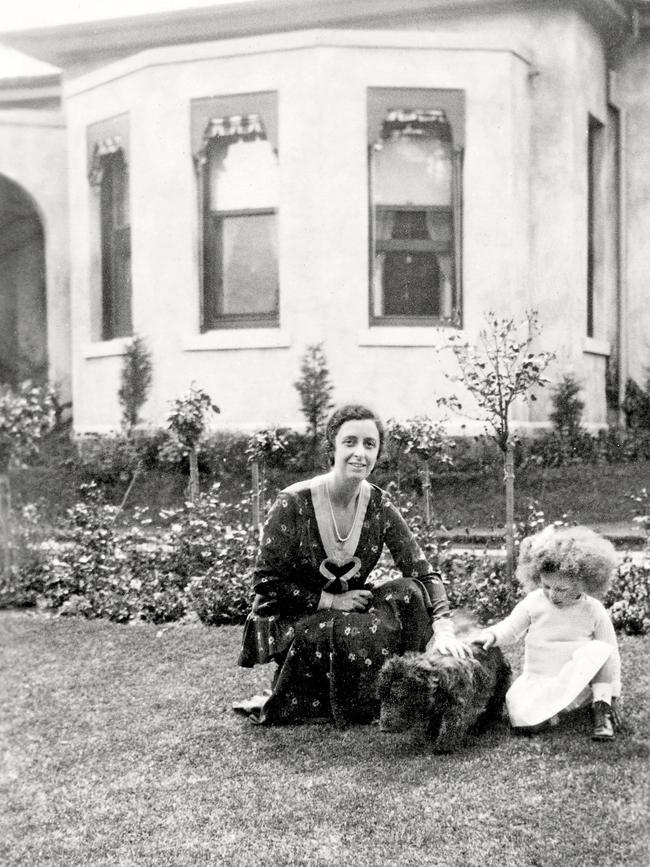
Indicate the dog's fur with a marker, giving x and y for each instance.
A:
(440, 698)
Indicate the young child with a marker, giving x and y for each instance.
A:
(571, 654)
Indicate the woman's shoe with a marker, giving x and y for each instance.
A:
(252, 706)
(603, 721)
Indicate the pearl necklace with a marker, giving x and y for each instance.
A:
(342, 539)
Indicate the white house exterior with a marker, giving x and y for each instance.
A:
(260, 177)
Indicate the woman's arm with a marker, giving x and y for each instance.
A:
(410, 560)
(276, 578)
(407, 554)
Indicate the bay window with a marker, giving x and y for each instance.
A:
(109, 177)
(237, 164)
(415, 163)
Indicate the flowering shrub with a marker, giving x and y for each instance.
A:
(196, 562)
(26, 415)
(188, 417)
(628, 600)
(269, 444)
(551, 449)
(200, 562)
(108, 459)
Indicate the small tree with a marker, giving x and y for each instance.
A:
(497, 371)
(567, 407)
(135, 382)
(426, 440)
(315, 390)
(132, 395)
(26, 415)
(188, 421)
(262, 445)
(636, 405)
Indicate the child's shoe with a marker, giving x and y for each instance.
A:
(603, 721)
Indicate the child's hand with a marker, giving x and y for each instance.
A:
(487, 638)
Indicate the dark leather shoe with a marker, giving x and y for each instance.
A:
(603, 729)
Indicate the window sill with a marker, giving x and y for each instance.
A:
(591, 346)
(237, 338)
(106, 348)
(404, 335)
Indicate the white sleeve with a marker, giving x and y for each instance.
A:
(514, 626)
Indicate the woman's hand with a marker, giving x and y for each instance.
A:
(451, 645)
(487, 638)
(352, 600)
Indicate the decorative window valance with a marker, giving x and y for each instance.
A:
(238, 117)
(228, 130)
(104, 139)
(434, 109)
(416, 122)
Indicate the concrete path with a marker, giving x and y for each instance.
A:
(624, 535)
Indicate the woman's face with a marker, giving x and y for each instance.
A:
(561, 591)
(356, 447)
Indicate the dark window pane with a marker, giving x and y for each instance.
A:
(413, 273)
(411, 284)
(116, 248)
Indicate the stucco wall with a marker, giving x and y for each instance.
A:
(524, 210)
(633, 79)
(33, 155)
(568, 84)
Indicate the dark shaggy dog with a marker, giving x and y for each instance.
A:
(439, 697)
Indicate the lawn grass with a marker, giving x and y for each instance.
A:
(120, 748)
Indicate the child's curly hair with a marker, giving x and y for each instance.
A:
(577, 553)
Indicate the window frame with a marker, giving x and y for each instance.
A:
(116, 254)
(108, 160)
(452, 102)
(203, 113)
(595, 206)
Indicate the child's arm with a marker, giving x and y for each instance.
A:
(510, 629)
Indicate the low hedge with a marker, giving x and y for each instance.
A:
(199, 561)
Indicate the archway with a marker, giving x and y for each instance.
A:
(23, 310)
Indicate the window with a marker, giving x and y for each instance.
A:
(595, 219)
(238, 182)
(110, 177)
(415, 157)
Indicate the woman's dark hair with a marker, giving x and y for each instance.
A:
(350, 412)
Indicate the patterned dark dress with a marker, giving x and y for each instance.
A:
(328, 660)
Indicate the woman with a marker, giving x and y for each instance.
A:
(314, 614)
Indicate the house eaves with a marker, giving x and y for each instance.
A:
(72, 44)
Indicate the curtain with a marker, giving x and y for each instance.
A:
(104, 148)
(237, 127)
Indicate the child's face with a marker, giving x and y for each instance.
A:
(561, 591)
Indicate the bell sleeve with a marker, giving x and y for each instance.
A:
(277, 581)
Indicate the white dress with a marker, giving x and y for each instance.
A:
(564, 649)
